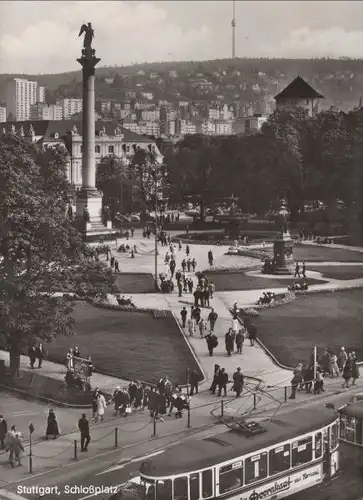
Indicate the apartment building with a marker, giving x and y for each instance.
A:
(70, 107)
(41, 111)
(150, 115)
(20, 95)
(223, 127)
(143, 128)
(2, 114)
(40, 94)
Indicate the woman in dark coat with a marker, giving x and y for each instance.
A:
(52, 426)
(347, 371)
(355, 368)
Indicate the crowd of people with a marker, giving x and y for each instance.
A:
(306, 378)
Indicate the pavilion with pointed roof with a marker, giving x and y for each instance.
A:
(299, 94)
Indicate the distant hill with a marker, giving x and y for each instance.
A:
(340, 80)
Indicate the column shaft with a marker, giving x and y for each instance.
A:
(88, 132)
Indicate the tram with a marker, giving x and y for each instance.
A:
(288, 454)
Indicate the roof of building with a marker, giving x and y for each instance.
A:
(204, 453)
(47, 128)
(353, 410)
(299, 88)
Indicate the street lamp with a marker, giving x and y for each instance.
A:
(157, 162)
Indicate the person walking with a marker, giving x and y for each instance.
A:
(296, 380)
(214, 383)
(210, 257)
(16, 447)
(40, 353)
(194, 382)
(347, 371)
(342, 358)
(52, 429)
(194, 264)
(334, 370)
(83, 426)
(240, 338)
(95, 404)
(303, 270)
(238, 382)
(297, 270)
(32, 355)
(183, 314)
(222, 382)
(101, 406)
(211, 288)
(3, 432)
(191, 327)
(252, 334)
(355, 368)
(117, 269)
(202, 328)
(212, 342)
(187, 250)
(212, 318)
(229, 341)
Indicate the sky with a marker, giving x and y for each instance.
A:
(42, 37)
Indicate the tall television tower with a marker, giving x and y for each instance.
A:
(233, 24)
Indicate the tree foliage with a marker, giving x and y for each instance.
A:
(40, 250)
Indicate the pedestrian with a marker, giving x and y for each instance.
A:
(127, 234)
(194, 382)
(183, 314)
(296, 380)
(252, 334)
(112, 261)
(211, 288)
(303, 270)
(334, 370)
(222, 382)
(180, 288)
(117, 399)
(40, 352)
(180, 245)
(52, 426)
(212, 342)
(297, 270)
(183, 265)
(308, 377)
(197, 313)
(342, 359)
(191, 327)
(172, 267)
(187, 250)
(16, 447)
(3, 432)
(213, 386)
(206, 297)
(240, 338)
(194, 264)
(117, 269)
(319, 381)
(212, 318)
(238, 382)
(202, 328)
(347, 371)
(355, 368)
(132, 231)
(83, 426)
(210, 257)
(189, 265)
(229, 341)
(95, 404)
(167, 258)
(32, 355)
(70, 364)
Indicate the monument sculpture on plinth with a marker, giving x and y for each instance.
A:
(283, 245)
(89, 199)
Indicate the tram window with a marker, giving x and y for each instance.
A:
(334, 436)
(318, 445)
(164, 490)
(194, 486)
(231, 477)
(302, 451)
(347, 428)
(207, 483)
(256, 468)
(181, 488)
(279, 459)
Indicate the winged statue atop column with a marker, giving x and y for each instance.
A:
(88, 36)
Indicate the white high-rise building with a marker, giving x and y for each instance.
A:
(70, 107)
(40, 94)
(2, 114)
(20, 95)
(41, 111)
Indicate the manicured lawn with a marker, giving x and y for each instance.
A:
(341, 272)
(239, 281)
(310, 253)
(135, 283)
(127, 344)
(324, 319)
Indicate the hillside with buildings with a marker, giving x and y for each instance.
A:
(218, 97)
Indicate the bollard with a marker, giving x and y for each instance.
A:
(222, 408)
(154, 427)
(75, 449)
(285, 393)
(116, 437)
(188, 417)
(254, 400)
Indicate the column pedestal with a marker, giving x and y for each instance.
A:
(283, 254)
(95, 229)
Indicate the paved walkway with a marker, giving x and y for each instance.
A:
(270, 394)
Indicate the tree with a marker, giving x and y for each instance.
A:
(192, 170)
(40, 250)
